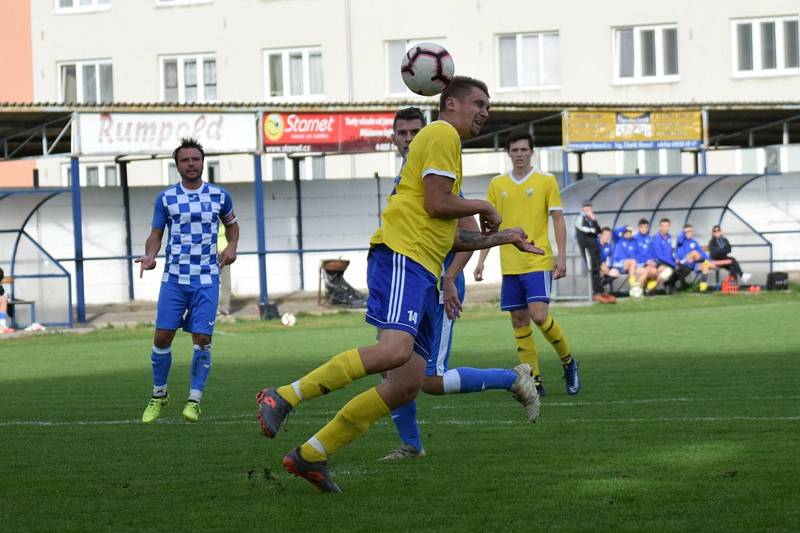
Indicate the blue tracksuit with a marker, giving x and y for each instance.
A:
(606, 251)
(687, 246)
(643, 251)
(662, 250)
(624, 249)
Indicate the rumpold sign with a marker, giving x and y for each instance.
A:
(155, 133)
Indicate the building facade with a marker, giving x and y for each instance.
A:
(268, 51)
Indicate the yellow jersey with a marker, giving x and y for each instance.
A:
(406, 227)
(525, 203)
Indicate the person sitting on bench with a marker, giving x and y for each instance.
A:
(718, 249)
(3, 306)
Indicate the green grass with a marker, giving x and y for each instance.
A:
(688, 421)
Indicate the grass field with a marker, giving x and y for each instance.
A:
(689, 420)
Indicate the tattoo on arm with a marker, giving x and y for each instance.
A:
(475, 240)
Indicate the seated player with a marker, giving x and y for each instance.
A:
(664, 255)
(692, 255)
(645, 260)
(606, 246)
(624, 258)
(718, 250)
(3, 307)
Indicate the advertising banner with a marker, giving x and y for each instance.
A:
(632, 130)
(327, 132)
(160, 133)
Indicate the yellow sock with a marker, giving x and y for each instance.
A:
(526, 348)
(633, 281)
(338, 372)
(351, 421)
(555, 335)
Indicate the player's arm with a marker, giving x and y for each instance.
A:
(560, 230)
(228, 255)
(151, 247)
(452, 305)
(440, 202)
(478, 272)
(476, 240)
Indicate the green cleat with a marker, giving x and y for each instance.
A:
(191, 411)
(153, 409)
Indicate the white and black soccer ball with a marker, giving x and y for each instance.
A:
(288, 319)
(635, 292)
(427, 68)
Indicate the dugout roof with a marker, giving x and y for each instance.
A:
(35, 130)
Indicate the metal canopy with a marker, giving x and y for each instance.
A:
(35, 130)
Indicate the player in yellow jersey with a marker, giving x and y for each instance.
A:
(418, 229)
(525, 198)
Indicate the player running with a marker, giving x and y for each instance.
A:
(193, 210)
(438, 379)
(525, 198)
(418, 229)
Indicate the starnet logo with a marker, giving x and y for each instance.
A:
(298, 124)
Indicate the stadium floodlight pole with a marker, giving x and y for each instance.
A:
(126, 204)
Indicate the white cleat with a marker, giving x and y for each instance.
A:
(404, 451)
(524, 391)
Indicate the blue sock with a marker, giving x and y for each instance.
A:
(465, 379)
(162, 360)
(405, 418)
(201, 366)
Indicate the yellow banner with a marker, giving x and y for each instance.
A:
(630, 130)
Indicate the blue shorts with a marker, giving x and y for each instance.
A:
(439, 358)
(192, 308)
(518, 290)
(402, 296)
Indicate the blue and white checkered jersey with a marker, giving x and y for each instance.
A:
(193, 217)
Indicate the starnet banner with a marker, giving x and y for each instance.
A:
(327, 132)
(152, 133)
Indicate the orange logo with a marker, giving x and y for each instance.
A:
(273, 126)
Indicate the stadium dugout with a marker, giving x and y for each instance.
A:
(40, 131)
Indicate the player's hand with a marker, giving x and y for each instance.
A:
(452, 305)
(490, 220)
(560, 267)
(478, 272)
(145, 263)
(226, 256)
(520, 240)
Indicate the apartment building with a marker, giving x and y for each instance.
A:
(317, 51)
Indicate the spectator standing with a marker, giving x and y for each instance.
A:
(586, 231)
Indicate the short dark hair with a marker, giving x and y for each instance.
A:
(644, 221)
(604, 229)
(688, 226)
(188, 142)
(668, 221)
(2, 274)
(519, 135)
(458, 88)
(716, 228)
(408, 113)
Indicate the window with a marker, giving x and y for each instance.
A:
(97, 174)
(294, 73)
(86, 82)
(646, 54)
(766, 47)
(279, 168)
(395, 50)
(189, 79)
(529, 60)
(81, 6)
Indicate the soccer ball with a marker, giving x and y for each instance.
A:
(635, 292)
(427, 68)
(288, 319)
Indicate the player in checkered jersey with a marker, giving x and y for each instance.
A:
(192, 210)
